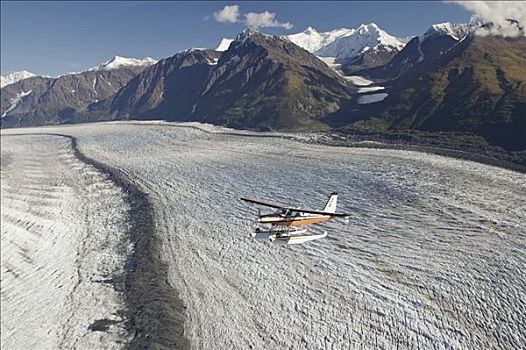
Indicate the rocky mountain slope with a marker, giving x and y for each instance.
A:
(42, 100)
(261, 81)
(268, 82)
(166, 90)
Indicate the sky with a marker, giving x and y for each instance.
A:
(52, 38)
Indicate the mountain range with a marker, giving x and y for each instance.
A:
(260, 81)
(447, 80)
(37, 100)
(476, 86)
(364, 47)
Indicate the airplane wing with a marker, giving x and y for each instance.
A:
(294, 209)
(263, 202)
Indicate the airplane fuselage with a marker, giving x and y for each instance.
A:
(292, 220)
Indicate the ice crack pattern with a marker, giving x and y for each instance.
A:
(62, 242)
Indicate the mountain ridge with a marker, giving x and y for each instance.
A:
(43, 100)
(118, 62)
(355, 48)
(448, 80)
(260, 81)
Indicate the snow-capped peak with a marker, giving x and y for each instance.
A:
(245, 33)
(248, 33)
(372, 31)
(310, 30)
(312, 40)
(368, 27)
(118, 62)
(14, 77)
(356, 41)
(455, 30)
(224, 44)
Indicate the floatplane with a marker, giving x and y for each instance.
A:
(284, 224)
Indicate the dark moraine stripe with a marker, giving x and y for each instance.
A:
(155, 314)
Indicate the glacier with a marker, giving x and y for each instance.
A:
(432, 256)
(63, 240)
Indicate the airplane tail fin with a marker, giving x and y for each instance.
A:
(330, 207)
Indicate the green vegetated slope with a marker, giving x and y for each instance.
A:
(477, 87)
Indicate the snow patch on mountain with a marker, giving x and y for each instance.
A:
(14, 77)
(212, 62)
(224, 44)
(359, 80)
(366, 99)
(370, 89)
(420, 52)
(119, 62)
(333, 64)
(15, 101)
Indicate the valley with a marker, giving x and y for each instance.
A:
(431, 255)
(263, 175)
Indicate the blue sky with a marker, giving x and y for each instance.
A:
(58, 37)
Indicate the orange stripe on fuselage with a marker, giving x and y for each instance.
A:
(303, 222)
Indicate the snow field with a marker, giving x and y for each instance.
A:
(431, 257)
